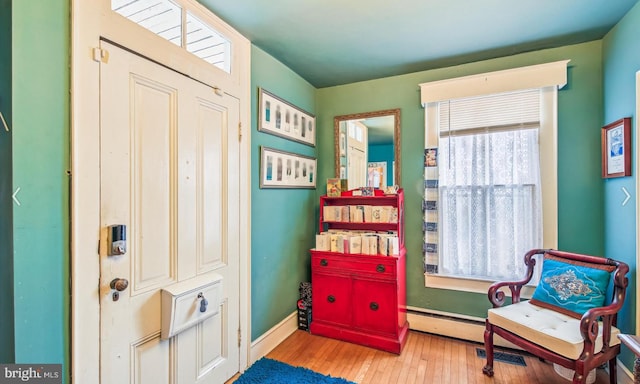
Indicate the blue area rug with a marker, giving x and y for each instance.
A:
(267, 371)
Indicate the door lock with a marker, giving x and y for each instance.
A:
(117, 240)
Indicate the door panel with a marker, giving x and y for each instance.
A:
(169, 172)
(153, 128)
(211, 199)
(147, 357)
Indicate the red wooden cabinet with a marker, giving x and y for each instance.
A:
(361, 298)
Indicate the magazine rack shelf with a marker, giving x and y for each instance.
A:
(361, 298)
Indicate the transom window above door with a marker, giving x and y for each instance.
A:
(171, 21)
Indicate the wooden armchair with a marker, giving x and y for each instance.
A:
(570, 320)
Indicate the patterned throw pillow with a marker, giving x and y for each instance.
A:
(571, 288)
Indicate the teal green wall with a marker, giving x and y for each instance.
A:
(41, 142)
(580, 190)
(6, 203)
(282, 220)
(621, 58)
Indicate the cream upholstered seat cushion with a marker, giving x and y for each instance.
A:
(552, 330)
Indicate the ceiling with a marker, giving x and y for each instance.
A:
(333, 42)
(380, 130)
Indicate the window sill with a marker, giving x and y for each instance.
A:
(457, 283)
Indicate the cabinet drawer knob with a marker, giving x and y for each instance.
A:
(324, 262)
(374, 306)
(380, 268)
(331, 298)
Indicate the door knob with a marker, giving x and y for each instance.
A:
(119, 284)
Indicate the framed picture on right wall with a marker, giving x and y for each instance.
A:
(616, 148)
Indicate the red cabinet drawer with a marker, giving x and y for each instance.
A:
(379, 266)
(375, 306)
(332, 298)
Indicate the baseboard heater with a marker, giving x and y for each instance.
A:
(451, 325)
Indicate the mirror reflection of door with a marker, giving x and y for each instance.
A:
(368, 140)
(356, 154)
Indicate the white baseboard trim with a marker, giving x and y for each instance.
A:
(625, 376)
(276, 335)
(439, 323)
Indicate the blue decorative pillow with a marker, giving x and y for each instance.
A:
(571, 288)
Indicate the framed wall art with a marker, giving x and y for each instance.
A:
(616, 148)
(280, 169)
(281, 118)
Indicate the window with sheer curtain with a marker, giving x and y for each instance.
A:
(489, 203)
(490, 169)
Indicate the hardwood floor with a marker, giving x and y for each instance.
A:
(426, 358)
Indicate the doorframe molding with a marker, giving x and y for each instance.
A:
(637, 146)
(91, 21)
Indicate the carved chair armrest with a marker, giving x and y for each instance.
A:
(589, 326)
(497, 296)
(609, 313)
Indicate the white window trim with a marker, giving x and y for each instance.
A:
(550, 77)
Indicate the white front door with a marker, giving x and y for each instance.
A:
(169, 154)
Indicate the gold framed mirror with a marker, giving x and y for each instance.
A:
(367, 148)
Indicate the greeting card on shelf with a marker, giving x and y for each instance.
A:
(336, 186)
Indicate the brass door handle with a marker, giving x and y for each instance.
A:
(119, 284)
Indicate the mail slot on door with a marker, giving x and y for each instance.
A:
(189, 302)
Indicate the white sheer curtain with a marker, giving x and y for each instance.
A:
(490, 207)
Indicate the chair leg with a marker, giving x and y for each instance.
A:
(578, 379)
(488, 347)
(579, 376)
(613, 373)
